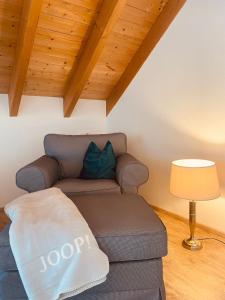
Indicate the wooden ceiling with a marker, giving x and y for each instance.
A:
(89, 49)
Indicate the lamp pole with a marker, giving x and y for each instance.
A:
(192, 243)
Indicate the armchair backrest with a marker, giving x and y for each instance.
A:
(69, 150)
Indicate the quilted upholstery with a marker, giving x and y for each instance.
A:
(141, 280)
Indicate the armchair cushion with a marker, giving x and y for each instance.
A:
(40, 174)
(83, 186)
(130, 173)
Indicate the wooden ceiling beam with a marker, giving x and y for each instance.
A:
(108, 15)
(163, 21)
(28, 24)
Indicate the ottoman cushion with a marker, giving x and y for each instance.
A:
(125, 226)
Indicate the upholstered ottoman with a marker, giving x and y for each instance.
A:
(128, 231)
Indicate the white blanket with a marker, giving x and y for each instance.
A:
(55, 251)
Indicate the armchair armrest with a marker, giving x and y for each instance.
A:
(130, 173)
(40, 174)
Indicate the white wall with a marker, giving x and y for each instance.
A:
(175, 107)
(21, 138)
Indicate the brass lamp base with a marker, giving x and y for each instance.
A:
(192, 244)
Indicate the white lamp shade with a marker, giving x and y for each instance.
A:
(194, 179)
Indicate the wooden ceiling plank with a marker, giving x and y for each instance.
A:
(69, 10)
(108, 15)
(29, 20)
(163, 21)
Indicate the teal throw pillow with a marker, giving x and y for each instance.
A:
(99, 164)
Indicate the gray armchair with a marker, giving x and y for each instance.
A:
(61, 166)
(134, 244)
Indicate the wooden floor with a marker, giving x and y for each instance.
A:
(189, 275)
(193, 275)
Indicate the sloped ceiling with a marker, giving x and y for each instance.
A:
(75, 49)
